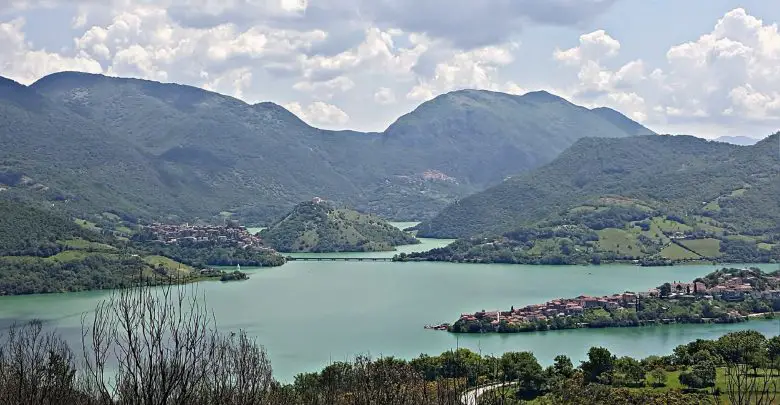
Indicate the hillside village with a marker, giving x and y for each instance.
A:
(229, 235)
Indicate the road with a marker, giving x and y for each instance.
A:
(472, 396)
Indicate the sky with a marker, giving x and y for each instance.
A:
(701, 67)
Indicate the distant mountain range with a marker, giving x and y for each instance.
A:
(738, 140)
(100, 146)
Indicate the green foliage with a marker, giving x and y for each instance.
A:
(212, 254)
(91, 144)
(35, 275)
(29, 231)
(523, 369)
(669, 176)
(320, 227)
(46, 252)
(599, 366)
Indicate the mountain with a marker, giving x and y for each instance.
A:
(738, 140)
(683, 174)
(98, 146)
(652, 199)
(321, 227)
(621, 121)
(480, 136)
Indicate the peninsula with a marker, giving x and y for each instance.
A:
(61, 254)
(725, 296)
(319, 226)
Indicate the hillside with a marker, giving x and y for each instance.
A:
(320, 227)
(46, 252)
(93, 144)
(645, 198)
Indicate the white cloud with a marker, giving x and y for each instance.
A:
(319, 113)
(377, 51)
(594, 46)
(385, 96)
(735, 68)
(25, 65)
(326, 88)
(347, 52)
(233, 82)
(477, 68)
(728, 76)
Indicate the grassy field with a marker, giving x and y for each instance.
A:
(766, 246)
(75, 255)
(81, 244)
(87, 225)
(721, 383)
(677, 252)
(669, 227)
(709, 248)
(672, 383)
(619, 241)
(170, 265)
(544, 245)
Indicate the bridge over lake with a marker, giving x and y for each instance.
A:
(339, 259)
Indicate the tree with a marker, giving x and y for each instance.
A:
(658, 376)
(665, 290)
(703, 372)
(168, 351)
(750, 379)
(524, 369)
(36, 368)
(563, 367)
(631, 372)
(599, 366)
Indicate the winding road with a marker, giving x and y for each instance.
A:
(471, 397)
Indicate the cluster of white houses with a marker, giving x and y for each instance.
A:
(729, 287)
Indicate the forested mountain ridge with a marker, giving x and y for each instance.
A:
(522, 132)
(322, 227)
(93, 144)
(627, 199)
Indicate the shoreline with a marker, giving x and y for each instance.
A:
(729, 295)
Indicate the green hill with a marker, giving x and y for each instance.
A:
(42, 251)
(653, 198)
(92, 144)
(320, 227)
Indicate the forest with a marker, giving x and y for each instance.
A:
(324, 227)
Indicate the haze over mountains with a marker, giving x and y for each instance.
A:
(91, 143)
(738, 140)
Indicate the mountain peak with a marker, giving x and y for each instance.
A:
(77, 79)
(542, 96)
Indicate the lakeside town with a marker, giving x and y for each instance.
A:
(231, 234)
(716, 297)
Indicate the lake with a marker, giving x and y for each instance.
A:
(308, 314)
